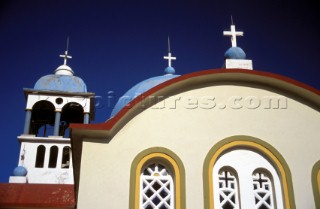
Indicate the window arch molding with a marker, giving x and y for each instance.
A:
(256, 145)
(315, 178)
(171, 160)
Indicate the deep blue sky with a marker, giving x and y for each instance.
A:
(116, 44)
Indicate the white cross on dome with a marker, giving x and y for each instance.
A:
(65, 55)
(233, 33)
(169, 57)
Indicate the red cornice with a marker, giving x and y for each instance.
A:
(108, 125)
(37, 196)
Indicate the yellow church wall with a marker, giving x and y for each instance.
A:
(190, 124)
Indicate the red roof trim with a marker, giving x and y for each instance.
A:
(108, 125)
(37, 196)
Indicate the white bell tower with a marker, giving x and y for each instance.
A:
(55, 101)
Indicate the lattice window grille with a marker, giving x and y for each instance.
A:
(157, 189)
(228, 190)
(262, 188)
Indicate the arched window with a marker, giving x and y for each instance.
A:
(65, 157)
(156, 187)
(41, 151)
(53, 157)
(157, 180)
(255, 190)
(262, 175)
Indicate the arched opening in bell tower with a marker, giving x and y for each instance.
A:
(42, 119)
(71, 113)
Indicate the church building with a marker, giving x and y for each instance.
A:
(226, 138)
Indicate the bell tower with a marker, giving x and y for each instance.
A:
(56, 101)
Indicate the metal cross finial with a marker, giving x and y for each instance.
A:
(65, 55)
(169, 57)
(233, 33)
(169, 44)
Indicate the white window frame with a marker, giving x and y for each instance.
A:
(228, 188)
(160, 176)
(263, 190)
(245, 162)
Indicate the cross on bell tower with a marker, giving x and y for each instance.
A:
(65, 55)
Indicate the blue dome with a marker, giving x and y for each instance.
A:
(235, 53)
(20, 171)
(68, 83)
(138, 89)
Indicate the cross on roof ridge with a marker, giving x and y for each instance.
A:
(233, 33)
(169, 57)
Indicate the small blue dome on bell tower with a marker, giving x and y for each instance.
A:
(20, 171)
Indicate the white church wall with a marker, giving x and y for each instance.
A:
(190, 124)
